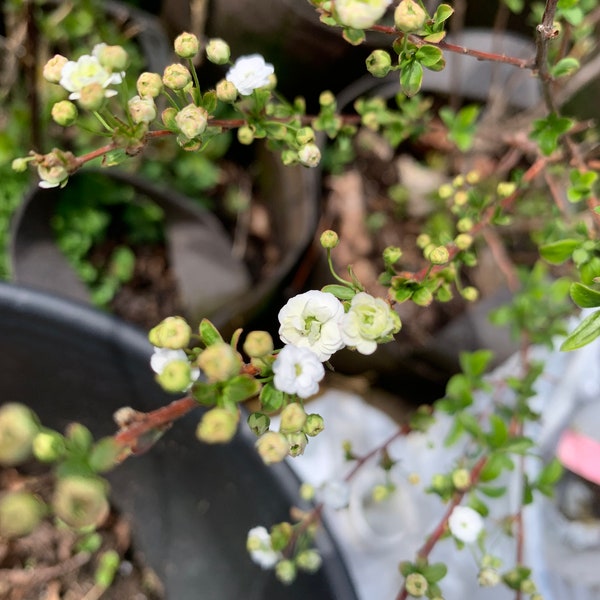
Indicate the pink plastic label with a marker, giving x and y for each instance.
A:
(580, 454)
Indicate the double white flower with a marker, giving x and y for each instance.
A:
(465, 524)
(249, 73)
(297, 371)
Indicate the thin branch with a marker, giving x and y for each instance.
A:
(546, 32)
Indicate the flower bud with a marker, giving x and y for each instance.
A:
(305, 135)
(293, 418)
(64, 113)
(217, 51)
(488, 577)
(379, 63)
(259, 423)
(258, 344)
(168, 117)
(245, 135)
(142, 110)
(327, 99)
(172, 332)
(219, 362)
(409, 16)
(285, 571)
(53, 68)
(113, 58)
(176, 376)
(461, 479)
(52, 176)
(20, 164)
(20, 514)
(423, 240)
(445, 191)
(463, 241)
(465, 224)
(226, 91)
(309, 561)
(314, 424)
(18, 428)
(80, 501)
(329, 239)
(416, 585)
(309, 155)
(191, 121)
(360, 14)
(186, 45)
(217, 426)
(149, 84)
(438, 255)
(461, 198)
(297, 443)
(470, 294)
(391, 255)
(48, 446)
(176, 76)
(506, 188)
(91, 96)
(473, 177)
(272, 447)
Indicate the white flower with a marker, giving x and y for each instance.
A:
(163, 356)
(465, 524)
(249, 73)
(368, 321)
(297, 371)
(311, 320)
(142, 110)
(335, 494)
(76, 75)
(360, 14)
(260, 548)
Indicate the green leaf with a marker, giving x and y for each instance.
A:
(584, 296)
(515, 6)
(479, 505)
(122, 263)
(343, 292)
(434, 573)
(558, 252)
(498, 432)
(547, 131)
(411, 77)
(564, 67)
(442, 13)
(527, 491)
(587, 331)
(205, 393)
(354, 36)
(551, 473)
(429, 56)
(271, 399)
(114, 157)
(435, 38)
(104, 455)
(491, 491)
(493, 467)
(422, 297)
(209, 101)
(240, 388)
(470, 423)
(475, 363)
(518, 445)
(209, 334)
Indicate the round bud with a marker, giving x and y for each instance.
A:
(409, 16)
(191, 121)
(53, 68)
(314, 425)
(219, 362)
(218, 51)
(258, 344)
(329, 239)
(142, 110)
(391, 255)
(445, 191)
(488, 577)
(423, 240)
(463, 241)
(113, 58)
(80, 501)
(186, 45)
(226, 91)
(379, 63)
(149, 84)
(465, 224)
(297, 443)
(309, 561)
(245, 135)
(416, 585)
(506, 188)
(48, 446)
(285, 571)
(272, 447)
(304, 135)
(18, 428)
(309, 155)
(176, 376)
(461, 198)
(172, 332)
(217, 426)
(461, 479)
(293, 418)
(470, 294)
(64, 113)
(20, 164)
(176, 76)
(438, 255)
(91, 96)
(20, 514)
(327, 99)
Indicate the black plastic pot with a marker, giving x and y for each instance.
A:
(191, 505)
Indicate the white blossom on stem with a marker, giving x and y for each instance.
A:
(465, 524)
(249, 73)
(360, 14)
(75, 75)
(311, 320)
(260, 548)
(297, 371)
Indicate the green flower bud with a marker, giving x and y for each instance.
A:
(20, 514)
(142, 110)
(218, 51)
(245, 135)
(314, 425)
(470, 294)
(53, 68)
(379, 63)
(409, 16)
(217, 426)
(20, 164)
(463, 241)
(149, 85)
(172, 332)
(305, 135)
(327, 99)
(309, 561)
(226, 91)
(168, 117)
(465, 224)
(113, 58)
(176, 76)
(506, 188)
(423, 240)
(80, 501)
(186, 45)
(281, 534)
(48, 446)
(285, 571)
(258, 344)
(309, 155)
(219, 362)
(259, 423)
(272, 447)
(439, 255)
(391, 255)
(297, 443)
(461, 479)
(488, 577)
(64, 113)
(176, 376)
(473, 177)
(329, 239)
(91, 96)
(461, 198)
(445, 191)
(416, 585)
(191, 121)
(18, 428)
